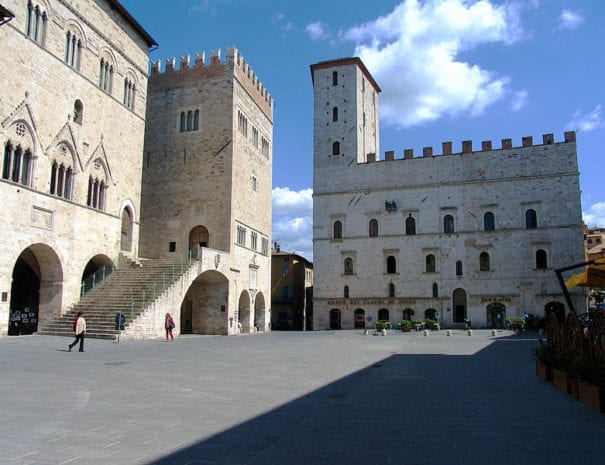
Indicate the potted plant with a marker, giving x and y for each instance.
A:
(417, 324)
(518, 324)
(508, 322)
(430, 324)
(405, 326)
(546, 358)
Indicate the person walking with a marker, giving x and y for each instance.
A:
(169, 325)
(79, 330)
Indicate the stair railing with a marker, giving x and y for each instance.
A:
(95, 279)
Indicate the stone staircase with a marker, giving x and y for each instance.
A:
(128, 290)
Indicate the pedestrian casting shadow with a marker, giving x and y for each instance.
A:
(484, 409)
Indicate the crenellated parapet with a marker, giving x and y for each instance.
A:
(233, 64)
(486, 146)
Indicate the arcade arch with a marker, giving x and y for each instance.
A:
(204, 308)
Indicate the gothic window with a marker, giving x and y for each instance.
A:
(410, 226)
(106, 75)
(373, 228)
(335, 114)
(264, 246)
(346, 292)
(265, 147)
(458, 268)
(73, 50)
(35, 23)
(97, 193)
(242, 124)
(391, 265)
(335, 78)
(435, 290)
(430, 263)
(489, 223)
(253, 240)
(448, 224)
(129, 93)
(348, 265)
(337, 230)
(18, 162)
(183, 126)
(541, 260)
(484, 261)
(241, 235)
(61, 180)
(189, 120)
(531, 219)
(391, 290)
(336, 148)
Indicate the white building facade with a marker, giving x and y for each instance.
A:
(471, 235)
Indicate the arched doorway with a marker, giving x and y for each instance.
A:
(459, 303)
(408, 314)
(383, 315)
(95, 272)
(243, 311)
(496, 313)
(126, 239)
(557, 308)
(259, 312)
(204, 307)
(36, 289)
(335, 318)
(430, 313)
(360, 318)
(198, 237)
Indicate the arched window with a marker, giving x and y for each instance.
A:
(337, 230)
(391, 265)
(383, 314)
(189, 120)
(531, 219)
(430, 313)
(336, 148)
(73, 50)
(373, 227)
(458, 268)
(183, 122)
(489, 223)
(391, 290)
(129, 93)
(435, 290)
(448, 224)
(541, 260)
(78, 112)
(196, 120)
(17, 164)
(97, 193)
(61, 180)
(335, 114)
(410, 226)
(430, 263)
(346, 292)
(335, 78)
(348, 265)
(35, 23)
(484, 261)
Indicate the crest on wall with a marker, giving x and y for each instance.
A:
(390, 205)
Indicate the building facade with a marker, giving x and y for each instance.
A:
(469, 235)
(207, 187)
(291, 291)
(72, 119)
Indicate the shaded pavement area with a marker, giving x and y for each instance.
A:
(331, 397)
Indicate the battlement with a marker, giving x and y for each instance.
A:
(467, 147)
(233, 63)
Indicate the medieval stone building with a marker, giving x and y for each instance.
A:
(72, 132)
(468, 235)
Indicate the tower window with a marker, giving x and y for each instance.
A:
(335, 114)
(335, 78)
(336, 148)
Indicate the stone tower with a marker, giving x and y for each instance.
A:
(207, 186)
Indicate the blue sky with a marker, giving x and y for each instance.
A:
(450, 70)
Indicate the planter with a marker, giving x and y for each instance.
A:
(592, 395)
(559, 379)
(543, 372)
(573, 388)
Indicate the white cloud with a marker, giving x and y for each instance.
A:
(595, 215)
(316, 30)
(413, 53)
(293, 220)
(519, 100)
(570, 19)
(588, 122)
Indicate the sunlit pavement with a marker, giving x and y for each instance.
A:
(331, 397)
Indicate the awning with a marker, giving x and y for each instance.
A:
(592, 276)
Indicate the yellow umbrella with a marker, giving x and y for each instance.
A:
(592, 276)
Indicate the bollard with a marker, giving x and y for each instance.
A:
(426, 332)
(469, 332)
(493, 332)
(448, 332)
(366, 332)
(541, 332)
(383, 332)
